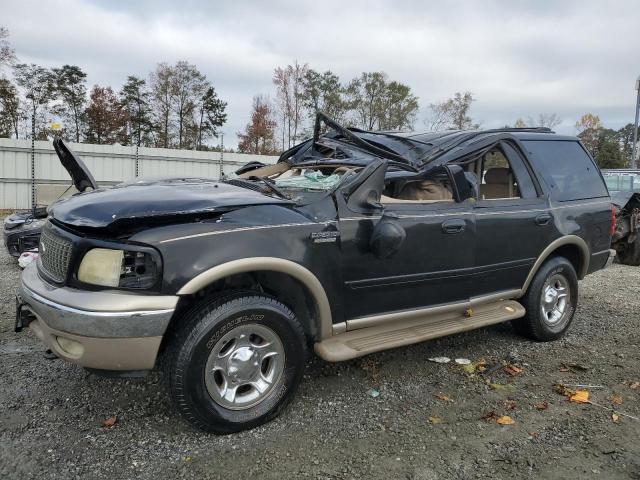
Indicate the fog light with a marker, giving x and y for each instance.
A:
(70, 347)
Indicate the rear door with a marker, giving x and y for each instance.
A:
(513, 221)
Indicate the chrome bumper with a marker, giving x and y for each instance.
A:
(110, 330)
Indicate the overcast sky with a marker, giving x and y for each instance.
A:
(518, 58)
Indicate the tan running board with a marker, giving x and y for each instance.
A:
(356, 343)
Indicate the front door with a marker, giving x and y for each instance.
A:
(433, 265)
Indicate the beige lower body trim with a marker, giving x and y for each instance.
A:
(357, 343)
(374, 320)
(100, 353)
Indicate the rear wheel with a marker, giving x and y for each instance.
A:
(235, 362)
(550, 301)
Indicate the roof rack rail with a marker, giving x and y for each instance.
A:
(519, 129)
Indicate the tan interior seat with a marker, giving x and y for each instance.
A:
(498, 184)
(425, 190)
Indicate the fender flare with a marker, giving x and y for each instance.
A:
(552, 247)
(256, 264)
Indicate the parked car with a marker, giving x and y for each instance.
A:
(352, 243)
(624, 186)
(22, 229)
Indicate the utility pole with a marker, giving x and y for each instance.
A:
(635, 126)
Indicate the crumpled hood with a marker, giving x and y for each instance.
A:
(146, 202)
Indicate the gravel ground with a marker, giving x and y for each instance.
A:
(51, 412)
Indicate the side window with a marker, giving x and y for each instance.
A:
(503, 175)
(567, 170)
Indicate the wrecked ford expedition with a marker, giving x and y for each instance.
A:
(352, 243)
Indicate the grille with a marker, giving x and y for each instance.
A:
(55, 253)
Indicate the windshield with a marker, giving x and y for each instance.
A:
(622, 182)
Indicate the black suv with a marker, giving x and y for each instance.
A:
(354, 242)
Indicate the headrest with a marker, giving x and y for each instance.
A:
(497, 175)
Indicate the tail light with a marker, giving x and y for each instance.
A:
(612, 229)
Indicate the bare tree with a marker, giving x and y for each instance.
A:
(7, 54)
(164, 99)
(9, 109)
(289, 82)
(38, 86)
(453, 113)
(547, 120)
(189, 86)
(70, 87)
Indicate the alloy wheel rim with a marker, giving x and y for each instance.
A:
(244, 366)
(555, 301)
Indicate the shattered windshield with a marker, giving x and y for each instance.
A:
(309, 179)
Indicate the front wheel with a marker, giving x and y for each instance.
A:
(235, 362)
(550, 301)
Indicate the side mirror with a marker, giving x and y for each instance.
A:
(387, 237)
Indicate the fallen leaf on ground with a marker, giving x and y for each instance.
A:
(499, 387)
(468, 313)
(474, 367)
(565, 369)
(443, 397)
(512, 370)
(505, 420)
(109, 422)
(581, 396)
(510, 404)
(440, 359)
(634, 385)
(541, 406)
(534, 434)
(615, 417)
(616, 399)
(435, 420)
(462, 361)
(562, 390)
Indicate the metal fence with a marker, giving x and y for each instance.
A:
(109, 164)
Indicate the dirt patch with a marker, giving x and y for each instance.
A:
(429, 420)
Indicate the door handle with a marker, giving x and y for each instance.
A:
(543, 219)
(456, 225)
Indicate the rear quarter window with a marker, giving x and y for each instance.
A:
(566, 169)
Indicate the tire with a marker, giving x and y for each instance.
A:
(246, 343)
(629, 254)
(542, 322)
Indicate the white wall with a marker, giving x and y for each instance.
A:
(109, 164)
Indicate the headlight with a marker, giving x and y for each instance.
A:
(119, 268)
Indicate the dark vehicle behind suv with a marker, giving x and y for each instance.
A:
(354, 242)
(624, 186)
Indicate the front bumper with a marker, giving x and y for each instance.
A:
(109, 330)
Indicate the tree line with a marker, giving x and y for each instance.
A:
(176, 106)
